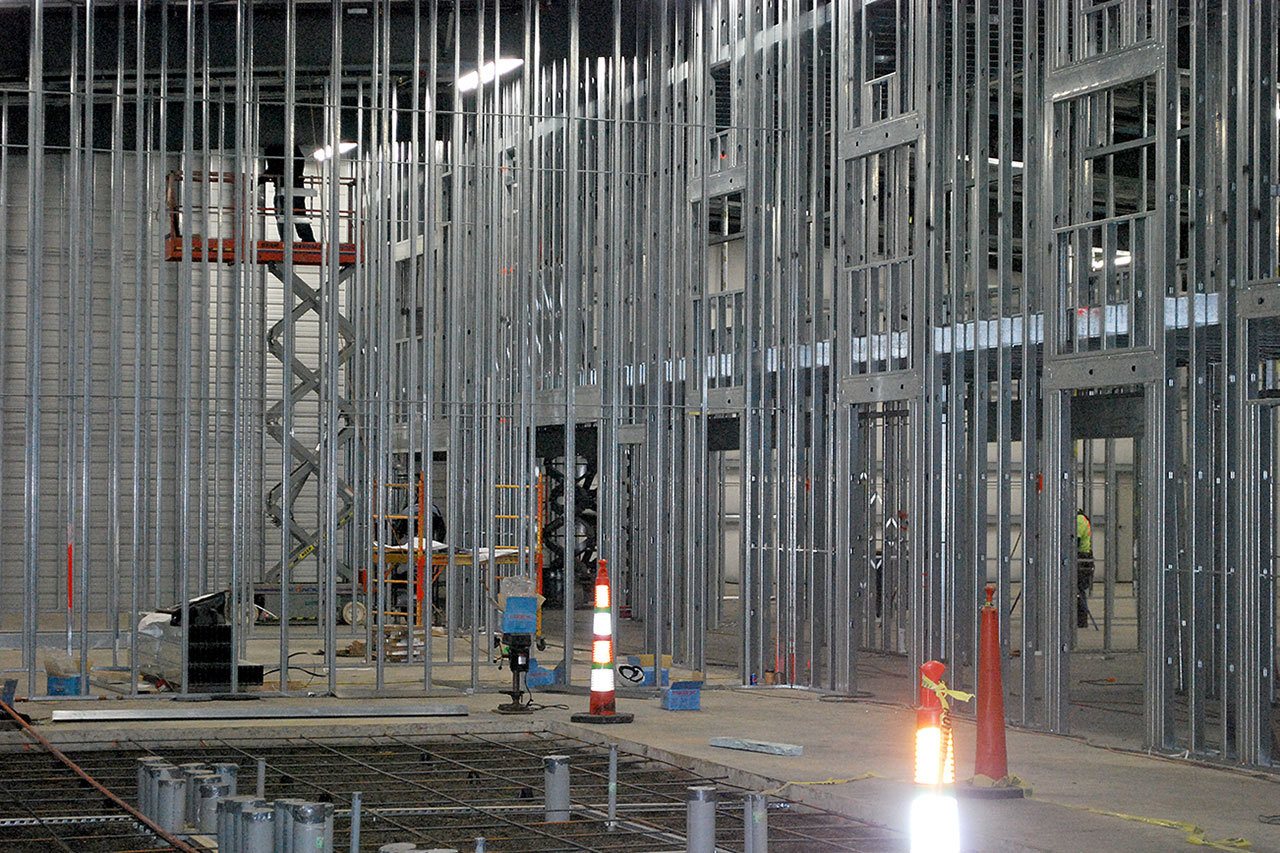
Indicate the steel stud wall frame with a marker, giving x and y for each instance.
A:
(895, 266)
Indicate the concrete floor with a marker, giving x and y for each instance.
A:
(863, 750)
(1080, 784)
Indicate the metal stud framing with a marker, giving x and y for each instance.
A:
(907, 268)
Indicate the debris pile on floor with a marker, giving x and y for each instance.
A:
(395, 643)
(757, 746)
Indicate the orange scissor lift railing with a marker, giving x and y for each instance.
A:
(218, 200)
(226, 249)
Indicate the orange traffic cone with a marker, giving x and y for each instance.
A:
(991, 764)
(603, 703)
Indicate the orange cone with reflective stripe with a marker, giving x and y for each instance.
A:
(603, 701)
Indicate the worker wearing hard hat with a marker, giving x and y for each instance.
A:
(1084, 567)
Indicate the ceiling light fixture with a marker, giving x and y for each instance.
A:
(1122, 258)
(1016, 164)
(322, 154)
(488, 73)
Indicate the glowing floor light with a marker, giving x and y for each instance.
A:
(935, 823)
(935, 816)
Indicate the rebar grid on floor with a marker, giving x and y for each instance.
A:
(442, 790)
(44, 806)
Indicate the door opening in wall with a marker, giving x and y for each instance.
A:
(1107, 682)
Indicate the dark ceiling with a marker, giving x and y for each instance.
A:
(63, 36)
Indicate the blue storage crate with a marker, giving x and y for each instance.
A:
(539, 676)
(683, 696)
(648, 676)
(64, 685)
(520, 616)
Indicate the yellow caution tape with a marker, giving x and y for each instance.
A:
(1195, 835)
(942, 691)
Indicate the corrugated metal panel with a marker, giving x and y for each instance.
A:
(60, 409)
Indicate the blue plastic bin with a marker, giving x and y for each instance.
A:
(538, 676)
(649, 678)
(520, 616)
(683, 696)
(64, 685)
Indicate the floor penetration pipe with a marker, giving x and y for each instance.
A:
(355, 822)
(195, 782)
(212, 792)
(700, 827)
(284, 822)
(229, 771)
(556, 777)
(755, 820)
(311, 827)
(229, 826)
(171, 798)
(613, 787)
(257, 830)
(146, 785)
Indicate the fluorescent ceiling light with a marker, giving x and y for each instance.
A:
(326, 152)
(1016, 164)
(488, 72)
(1123, 258)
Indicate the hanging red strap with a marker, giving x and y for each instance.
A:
(70, 573)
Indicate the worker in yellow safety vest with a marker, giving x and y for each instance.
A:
(1084, 567)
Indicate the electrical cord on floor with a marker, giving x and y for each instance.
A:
(1109, 682)
(855, 697)
(1105, 709)
(539, 706)
(292, 667)
(860, 777)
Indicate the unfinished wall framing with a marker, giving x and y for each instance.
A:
(905, 274)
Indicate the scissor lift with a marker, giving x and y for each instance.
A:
(219, 203)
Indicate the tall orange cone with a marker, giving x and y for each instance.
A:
(991, 762)
(603, 703)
